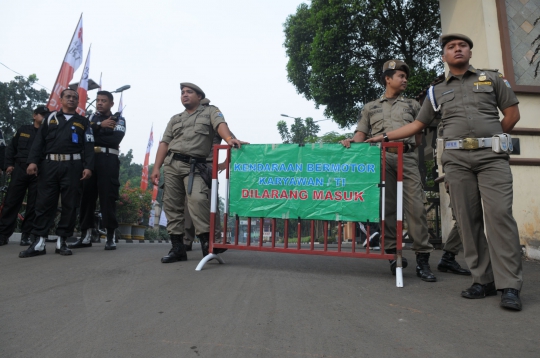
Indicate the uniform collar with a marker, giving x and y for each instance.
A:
(384, 98)
(450, 75)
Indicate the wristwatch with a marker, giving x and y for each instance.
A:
(385, 137)
(98, 124)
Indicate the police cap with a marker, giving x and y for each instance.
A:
(41, 110)
(193, 87)
(449, 37)
(396, 65)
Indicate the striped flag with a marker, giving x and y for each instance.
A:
(144, 179)
(82, 90)
(121, 103)
(72, 61)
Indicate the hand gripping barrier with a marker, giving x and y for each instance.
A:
(310, 249)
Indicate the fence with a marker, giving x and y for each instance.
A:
(311, 248)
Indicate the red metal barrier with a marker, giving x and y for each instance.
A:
(310, 249)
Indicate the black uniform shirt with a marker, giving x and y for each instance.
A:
(20, 145)
(107, 137)
(56, 134)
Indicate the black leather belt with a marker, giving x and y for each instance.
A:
(187, 158)
(406, 149)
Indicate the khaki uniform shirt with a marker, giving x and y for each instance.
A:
(382, 115)
(468, 106)
(192, 134)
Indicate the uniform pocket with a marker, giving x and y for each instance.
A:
(448, 103)
(485, 98)
(23, 143)
(408, 115)
(202, 125)
(376, 122)
(178, 130)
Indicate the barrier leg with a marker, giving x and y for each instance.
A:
(399, 269)
(208, 258)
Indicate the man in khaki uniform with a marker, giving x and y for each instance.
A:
(189, 228)
(389, 112)
(476, 165)
(186, 142)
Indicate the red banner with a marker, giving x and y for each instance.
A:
(144, 178)
(83, 86)
(72, 61)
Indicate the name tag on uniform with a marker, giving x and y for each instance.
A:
(483, 83)
(451, 145)
(74, 138)
(26, 135)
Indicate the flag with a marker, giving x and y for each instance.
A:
(101, 74)
(162, 218)
(121, 103)
(144, 179)
(83, 85)
(72, 61)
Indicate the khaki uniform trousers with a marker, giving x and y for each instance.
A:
(175, 198)
(413, 203)
(454, 243)
(189, 228)
(476, 177)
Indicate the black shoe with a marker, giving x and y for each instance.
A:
(111, 242)
(480, 291)
(61, 247)
(80, 244)
(510, 299)
(25, 239)
(393, 264)
(177, 252)
(448, 263)
(36, 249)
(422, 268)
(4, 240)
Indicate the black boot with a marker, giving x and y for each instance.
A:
(4, 240)
(205, 244)
(448, 263)
(83, 241)
(422, 268)
(36, 249)
(61, 247)
(393, 262)
(177, 252)
(25, 239)
(111, 243)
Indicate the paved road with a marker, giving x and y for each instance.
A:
(125, 303)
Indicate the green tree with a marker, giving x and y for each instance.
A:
(301, 132)
(129, 171)
(337, 48)
(334, 137)
(17, 102)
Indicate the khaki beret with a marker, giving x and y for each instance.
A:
(396, 65)
(193, 87)
(449, 37)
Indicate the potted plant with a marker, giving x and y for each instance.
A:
(130, 206)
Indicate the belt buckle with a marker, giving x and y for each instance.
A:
(470, 143)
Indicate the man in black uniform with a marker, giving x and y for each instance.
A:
(16, 156)
(66, 140)
(108, 131)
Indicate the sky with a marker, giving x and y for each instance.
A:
(232, 49)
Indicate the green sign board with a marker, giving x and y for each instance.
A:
(318, 181)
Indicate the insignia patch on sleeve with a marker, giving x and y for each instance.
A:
(507, 83)
(120, 128)
(89, 134)
(219, 114)
(26, 135)
(121, 122)
(77, 124)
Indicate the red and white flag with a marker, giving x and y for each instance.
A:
(144, 179)
(72, 61)
(100, 75)
(83, 85)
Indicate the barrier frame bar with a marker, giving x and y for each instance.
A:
(298, 249)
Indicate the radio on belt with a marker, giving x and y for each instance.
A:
(502, 143)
